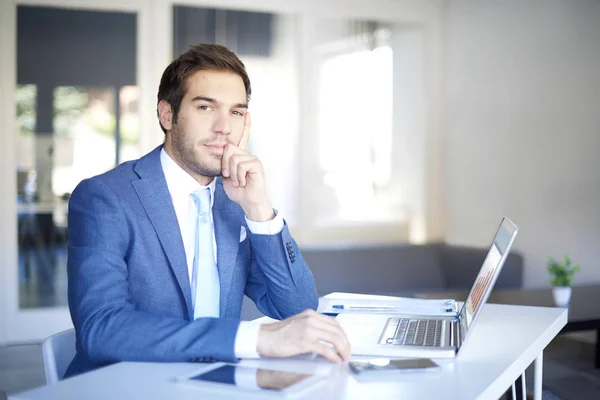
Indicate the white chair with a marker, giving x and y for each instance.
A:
(58, 351)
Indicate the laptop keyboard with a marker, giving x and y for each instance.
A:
(418, 332)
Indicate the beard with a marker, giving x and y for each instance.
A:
(186, 150)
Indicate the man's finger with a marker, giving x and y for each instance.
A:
(237, 174)
(324, 322)
(227, 153)
(246, 132)
(244, 168)
(325, 351)
(336, 341)
(338, 336)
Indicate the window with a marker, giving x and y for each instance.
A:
(355, 131)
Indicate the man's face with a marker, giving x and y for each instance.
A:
(211, 115)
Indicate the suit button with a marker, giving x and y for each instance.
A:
(288, 245)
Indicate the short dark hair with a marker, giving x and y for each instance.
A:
(203, 56)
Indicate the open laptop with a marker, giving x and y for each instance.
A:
(428, 336)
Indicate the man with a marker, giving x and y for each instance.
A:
(162, 249)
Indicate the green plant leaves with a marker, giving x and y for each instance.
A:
(561, 274)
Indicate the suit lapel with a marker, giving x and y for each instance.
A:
(154, 195)
(227, 232)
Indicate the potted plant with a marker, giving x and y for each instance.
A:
(561, 278)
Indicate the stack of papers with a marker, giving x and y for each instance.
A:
(338, 303)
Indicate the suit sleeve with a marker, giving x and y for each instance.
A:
(280, 282)
(108, 326)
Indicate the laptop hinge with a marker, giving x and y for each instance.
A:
(459, 332)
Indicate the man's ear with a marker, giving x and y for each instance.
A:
(165, 115)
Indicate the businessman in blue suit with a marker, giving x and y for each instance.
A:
(162, 249)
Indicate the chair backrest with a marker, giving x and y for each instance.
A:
(58, 351)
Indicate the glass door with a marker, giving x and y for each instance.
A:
(74, 114)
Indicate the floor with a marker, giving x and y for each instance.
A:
(568, 370)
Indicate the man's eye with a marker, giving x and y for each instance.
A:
(204, 107)
(241, 114)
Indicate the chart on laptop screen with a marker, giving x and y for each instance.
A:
(483, 281)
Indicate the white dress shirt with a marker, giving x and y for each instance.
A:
(181, 185)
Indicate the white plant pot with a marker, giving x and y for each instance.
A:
(562, 295)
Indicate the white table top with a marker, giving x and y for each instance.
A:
(505, 341)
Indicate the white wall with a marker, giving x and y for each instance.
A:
(523, 128)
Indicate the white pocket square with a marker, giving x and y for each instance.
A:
(242, 234)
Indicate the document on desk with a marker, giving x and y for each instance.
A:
(387, 305)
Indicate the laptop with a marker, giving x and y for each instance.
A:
(399, 335)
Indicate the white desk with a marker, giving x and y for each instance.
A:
(506, 340)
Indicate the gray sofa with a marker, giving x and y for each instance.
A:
(400, 270)
(404, 269)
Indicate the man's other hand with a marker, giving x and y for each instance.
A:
(307, 332)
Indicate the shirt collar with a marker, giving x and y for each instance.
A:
(180, 183)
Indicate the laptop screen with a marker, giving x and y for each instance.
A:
(489, 271)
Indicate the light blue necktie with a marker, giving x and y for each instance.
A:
(205, 277)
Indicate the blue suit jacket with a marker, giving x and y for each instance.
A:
(129, 291)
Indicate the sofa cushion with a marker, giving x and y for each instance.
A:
(393, 270)
(461, 264)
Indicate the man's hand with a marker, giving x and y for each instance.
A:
(304, 333)
(244, 178)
